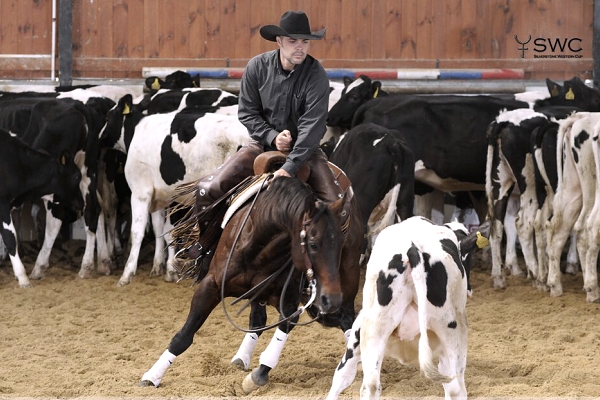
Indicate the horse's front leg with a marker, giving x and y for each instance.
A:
(269, 358)
(205, 299)
(258, 320)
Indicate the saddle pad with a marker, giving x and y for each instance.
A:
(240, 198)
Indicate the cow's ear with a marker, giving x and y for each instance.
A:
(375, 86)
(554, 88)
(196, 81)
(478, 239)
(347, 81)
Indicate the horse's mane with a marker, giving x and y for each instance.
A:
(286, 197)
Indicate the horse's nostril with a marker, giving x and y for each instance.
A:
(330, 304)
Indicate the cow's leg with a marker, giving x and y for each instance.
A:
(171, 275)
(589, 266)
(205, 299)
(510, 229)
(346, 370)
(106, 264)
(158, 226)
(559, 230)
(139, 220)
(573, 263)
(453, 360)
(525, 226)
(10, 238)
(87, 262)
(541, 243)
(42, 261)
(258, 319)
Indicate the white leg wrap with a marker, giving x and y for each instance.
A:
(156, 373)
(246, 349)
(270, 357)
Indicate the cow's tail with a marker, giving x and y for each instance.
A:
(426, 363)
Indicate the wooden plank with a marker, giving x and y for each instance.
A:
(120, 44)
(135, 36)
(242, 34)
(482, 30)
(151, 29)
(8, 27)
(424, 30)
(166, 33)
(228, 42)
(452, 32)
(393, 29)
(364, 19)
(41, 27)
(24, 28)
(213, 27)
(181, 28)
(499, 22)
(333, 40)
(468, 29)
(197, 31)
(348, 27)
(408, 42)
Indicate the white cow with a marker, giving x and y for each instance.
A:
(160, 158)
(575, 200)
(414, 299)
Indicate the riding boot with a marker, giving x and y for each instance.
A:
(322, 180)
(210, 204)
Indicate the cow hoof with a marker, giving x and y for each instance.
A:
(556, 291)
(499, 282)
(572, 269)
(85, 273)
(171, 276)
(124, 282)
(106, 267)
(146, 384)
(25, 285)
(157, 271)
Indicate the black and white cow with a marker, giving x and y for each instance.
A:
(28, 174)
(52, 125)
(163, 152)
(414, 307)
(576, 203)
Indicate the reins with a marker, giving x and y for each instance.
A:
(260, 287)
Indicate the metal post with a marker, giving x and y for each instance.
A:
(596, 44)
(65, 43)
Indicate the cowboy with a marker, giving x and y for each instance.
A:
(283, 102)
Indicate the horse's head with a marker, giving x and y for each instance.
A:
(318, 252)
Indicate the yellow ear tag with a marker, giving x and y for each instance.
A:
(482, 241)
(376, 93)
(155, 85)
(570, 95)
(126, 109)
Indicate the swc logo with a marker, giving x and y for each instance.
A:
(553, 45)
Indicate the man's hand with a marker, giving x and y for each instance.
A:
(281, 172)
(283, 141)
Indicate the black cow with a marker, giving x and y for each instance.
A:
(377, 160)
(27, 174)
(175, 80)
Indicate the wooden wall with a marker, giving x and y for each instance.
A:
(117, 38)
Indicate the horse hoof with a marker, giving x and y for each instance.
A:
(239, 364)
(146, 384)
(249, 385)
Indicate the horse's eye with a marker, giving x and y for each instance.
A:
(313, 246)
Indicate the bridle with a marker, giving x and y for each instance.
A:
(258, 289)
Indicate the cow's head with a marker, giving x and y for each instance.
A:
(67, 199)
(120, 123)
(574, 93)
(354, 94)
(469, 244)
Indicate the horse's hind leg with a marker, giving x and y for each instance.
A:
(205, 299)
(258, 319)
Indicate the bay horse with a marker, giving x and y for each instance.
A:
(283, 225)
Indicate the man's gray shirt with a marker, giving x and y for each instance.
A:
(272, 100)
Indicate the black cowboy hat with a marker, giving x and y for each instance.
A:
(293, 24)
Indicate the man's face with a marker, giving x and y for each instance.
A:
(293, 51)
